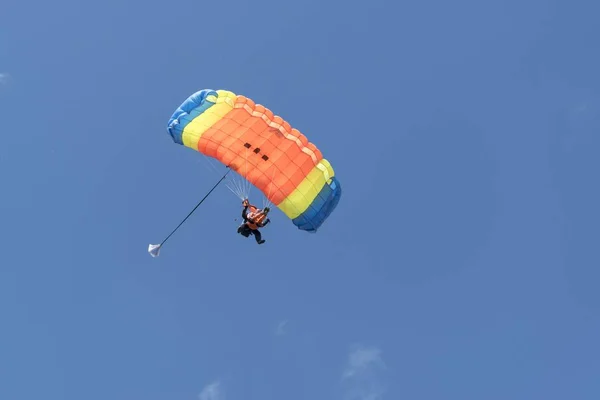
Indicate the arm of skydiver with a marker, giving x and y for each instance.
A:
(265, 223)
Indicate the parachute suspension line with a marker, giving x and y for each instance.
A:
(154, 249)
(240, 188)
(231, 182)
(267, 201)
(246, 182)
(242, 185)
(236, 189)
(210, 164)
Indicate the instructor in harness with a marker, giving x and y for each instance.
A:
(254, 218)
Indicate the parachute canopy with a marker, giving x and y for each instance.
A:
(264, 149)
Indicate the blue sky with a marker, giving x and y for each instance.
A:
(461, 262)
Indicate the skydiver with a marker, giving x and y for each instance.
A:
(253, 220)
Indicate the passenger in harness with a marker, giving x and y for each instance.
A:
(254, 218)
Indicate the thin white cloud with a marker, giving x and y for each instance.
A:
(4, 77)
(211, 391)
(362, 359)
(361, 375)
(280, 330)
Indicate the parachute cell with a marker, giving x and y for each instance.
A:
(264, 149)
